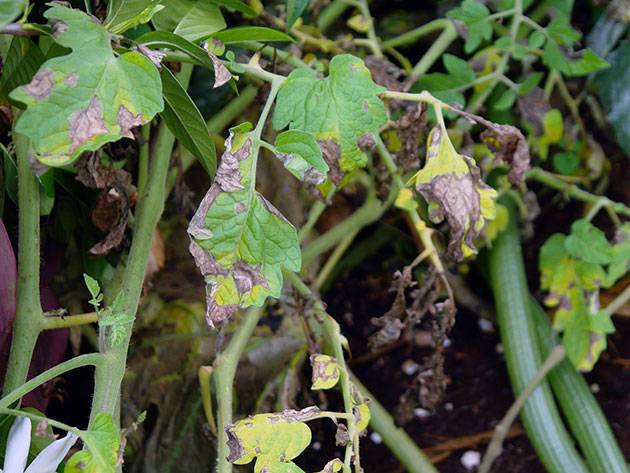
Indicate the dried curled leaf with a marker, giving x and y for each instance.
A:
(451, 184)
(240, 242)
(333, 466)
(343, 107)
(273, 439)
(325, 371)
(72, 108)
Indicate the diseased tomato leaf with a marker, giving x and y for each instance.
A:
(301, 156)
(240, 242)
(72, 108)
(572, 270)
(451, 184)
(325, 371)
(343, 107)
(273, 439)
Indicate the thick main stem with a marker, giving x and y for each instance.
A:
(110, 374)
(29, 315)
(224, 371)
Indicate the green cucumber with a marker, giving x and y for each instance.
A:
(539, 415)
(583, 414)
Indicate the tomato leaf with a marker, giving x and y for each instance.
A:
(343, 107)
(251, 33)
(240, 242)
(102, 442)
(301, 155)
(72, 109)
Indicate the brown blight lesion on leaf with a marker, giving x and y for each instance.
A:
(451, 183)
(326, 371)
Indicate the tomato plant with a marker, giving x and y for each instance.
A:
(334, 123)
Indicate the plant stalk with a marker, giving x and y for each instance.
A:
(109, 375)
(29, 314)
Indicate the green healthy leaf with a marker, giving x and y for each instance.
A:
(572, 63)
(561, 31)
(236, 5)
(341, 109)
(566, 163)
(620, 263)
(612, 88)
(102, 442)
(251, 33)
(273, 439)
(452, 185)
(301, 155)
(458, 68)
(125, 14)
(22, 61)
(295, 8)
(474, 14)
(530, 83)
(588, 243)
(116, 321)
(326, 371)
(194, 20)
(240, 242)
(505, 101)
(95, 290)
(10, 10)
(200, 22)
(167, 40)
(72, 109)
(536, 39)
(183, 118)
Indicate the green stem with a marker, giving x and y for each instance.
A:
(91, 359)
(618, 302)
(225, 366)
(368, 213)
(143, 158)
(501, 430)
(441, 44)
(330, 14)
(477, 100)
(28, 315)
(109, 376)
(50, 323)
(39, 418)
(418, 224)
(396, 439)
(412, 36)
(553, 181)
(371, 33)
(334, 258)
(540, 415)
(330, 330)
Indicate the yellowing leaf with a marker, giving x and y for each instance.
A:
(72, 108)
(273, 439)
(500, 222)
(325, 371)
(361, 416)
(451, 184)
(332, 466)
(360, 23)
(405, 200)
